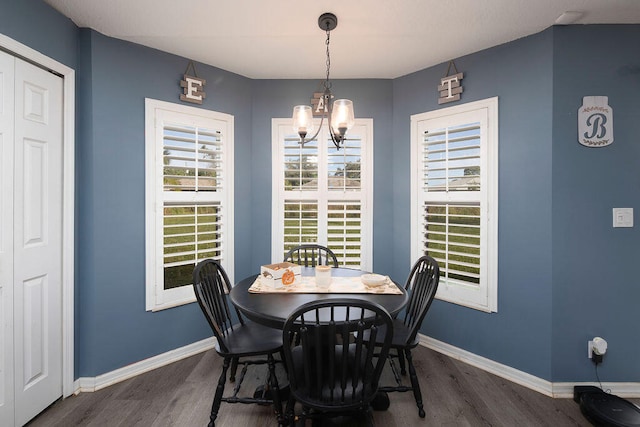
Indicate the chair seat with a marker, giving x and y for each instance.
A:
(251, 339)
(400, 335)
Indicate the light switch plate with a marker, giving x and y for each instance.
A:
(623, 217)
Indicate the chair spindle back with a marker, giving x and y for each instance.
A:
(422, 285)
(310, 255)
(211, 285)
(333, 368)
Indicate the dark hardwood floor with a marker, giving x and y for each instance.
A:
(180, 394)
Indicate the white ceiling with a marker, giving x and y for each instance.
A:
(280, 39)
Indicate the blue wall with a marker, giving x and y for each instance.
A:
(114, 328)
(37, 25)
(595, 273)
(520, 75)
(560, 260)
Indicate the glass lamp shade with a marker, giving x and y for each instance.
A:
(342, 118)
(302, 120)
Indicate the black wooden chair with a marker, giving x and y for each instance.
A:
(237, 343)
(422, 285)
(310, 255)
(333, 371)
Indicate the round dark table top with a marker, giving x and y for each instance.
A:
(274, 309)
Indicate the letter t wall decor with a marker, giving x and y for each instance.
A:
(450, 86)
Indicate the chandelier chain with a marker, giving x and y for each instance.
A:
(302, 114)
(327, 83)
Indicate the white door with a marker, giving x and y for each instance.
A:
(6, 239)
(34, 278)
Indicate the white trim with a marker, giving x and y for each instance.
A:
(280, 128)
(68, 200)
(90, 384)
(367, 197)
(555, 390)
(156, 297)
(484, 297)
(503, 371)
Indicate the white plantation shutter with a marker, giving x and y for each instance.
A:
(300, 223)
(451, 235)
(451, 163)
(189, 197)
(451, 158)
(192, 158)
(193, 191)
(454, 194)
(300, 165)
(344, 231)
(344, 166)
(191, 233)
(321, 193)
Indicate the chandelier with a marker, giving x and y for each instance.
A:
(339, 114)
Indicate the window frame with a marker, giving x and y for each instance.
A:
(284, 127)
(484, 296)
(157, 298)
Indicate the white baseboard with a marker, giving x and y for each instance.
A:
(559, 390)
(85, 384)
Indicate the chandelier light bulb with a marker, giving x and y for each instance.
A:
(342, 117)
(302, 120)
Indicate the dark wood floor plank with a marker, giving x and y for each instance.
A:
(115, 413)
(180, 394)
(451, 391)
(483, 399)
(188, 405)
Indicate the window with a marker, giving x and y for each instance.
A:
(322, 194)
(454, 199)
(189, 198)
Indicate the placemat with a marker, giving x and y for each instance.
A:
(339, 285)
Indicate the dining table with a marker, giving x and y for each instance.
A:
(273, 308)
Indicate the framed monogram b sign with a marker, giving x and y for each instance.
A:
(595, 122)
